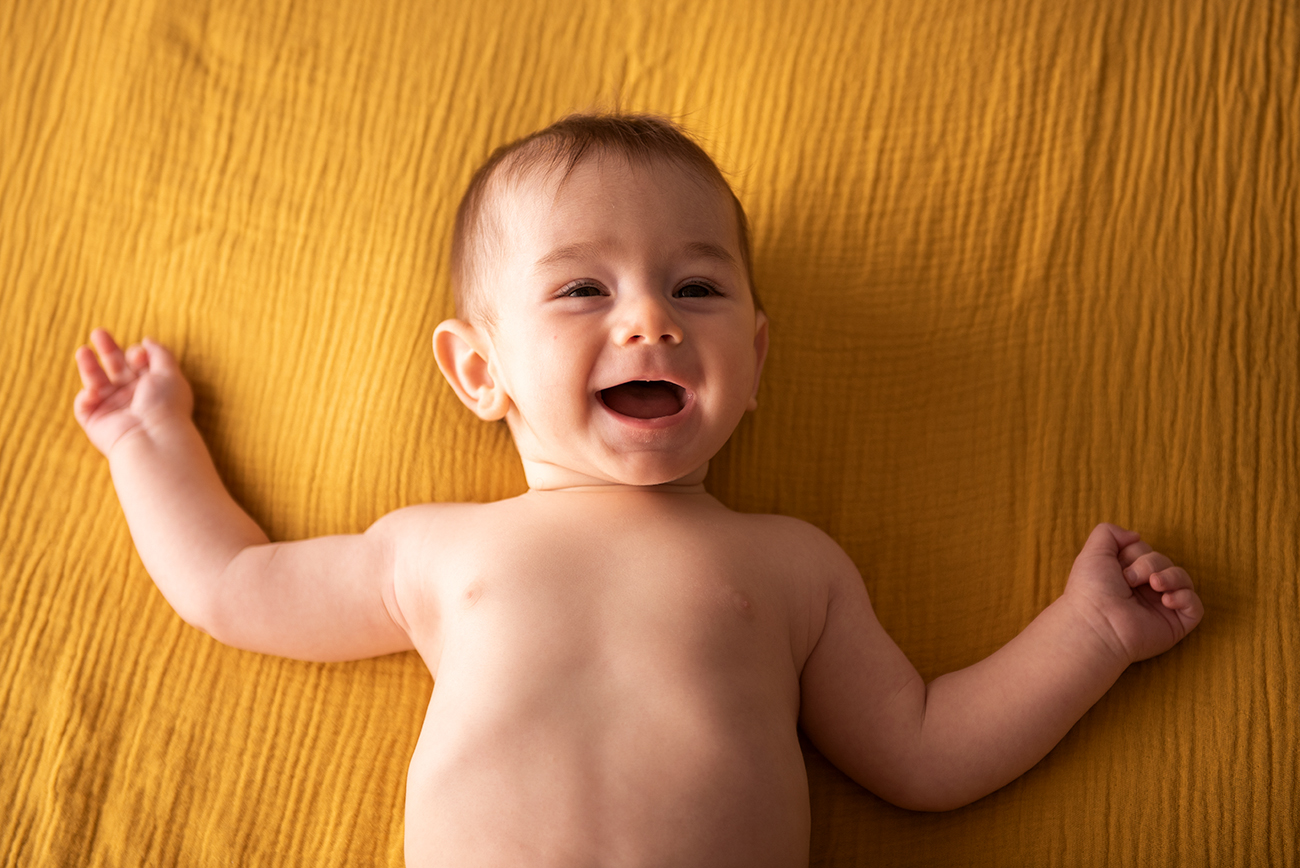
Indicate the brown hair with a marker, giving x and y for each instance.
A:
(638, 138)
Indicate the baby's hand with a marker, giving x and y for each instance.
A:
(1146, 604)
(131, 392)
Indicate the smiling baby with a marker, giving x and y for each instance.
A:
(621, 663)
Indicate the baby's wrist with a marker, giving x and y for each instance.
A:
(1096, 628)
(148, 436)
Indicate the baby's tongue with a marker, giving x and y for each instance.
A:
(643, 399)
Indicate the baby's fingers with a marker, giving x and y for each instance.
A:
(1141, 570)
(114, 360)
(84, 404)
(1131, 553)
(1177, 594)
(93, 377)
(158, 357)
(1187, 604)
(1171, 579)
(137, 359)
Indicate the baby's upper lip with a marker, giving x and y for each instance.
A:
(647, 377)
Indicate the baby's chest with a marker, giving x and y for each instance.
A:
(687, 603)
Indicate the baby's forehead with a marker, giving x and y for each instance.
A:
(548, 186)
(605, 211)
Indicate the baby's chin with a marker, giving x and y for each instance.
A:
(657, 468)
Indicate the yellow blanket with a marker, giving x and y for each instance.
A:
(1031, 264)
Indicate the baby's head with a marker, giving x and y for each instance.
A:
(602, 276)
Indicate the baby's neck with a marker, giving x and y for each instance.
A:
(544, 478)
(620, 488)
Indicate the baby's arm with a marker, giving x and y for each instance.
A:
(323, 599)
(948, 743)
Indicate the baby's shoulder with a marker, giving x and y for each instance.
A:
(414, 518)
(793, 538)
(431, 522)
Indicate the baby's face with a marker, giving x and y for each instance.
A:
(624, 333)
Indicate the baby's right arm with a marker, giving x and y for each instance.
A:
(330, 598)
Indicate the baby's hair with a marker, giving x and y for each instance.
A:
(640, 139)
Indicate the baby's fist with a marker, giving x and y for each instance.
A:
(1144, 602)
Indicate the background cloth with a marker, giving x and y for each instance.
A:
(1030, 265)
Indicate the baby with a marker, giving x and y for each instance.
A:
(621, 662)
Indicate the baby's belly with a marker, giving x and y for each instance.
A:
(646, 767)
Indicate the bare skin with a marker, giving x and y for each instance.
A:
(621, 663)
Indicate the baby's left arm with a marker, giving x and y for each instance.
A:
(967, 733)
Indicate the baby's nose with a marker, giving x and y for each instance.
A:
(648, 321)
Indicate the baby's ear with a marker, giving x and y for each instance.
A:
(464, 355)
(760, 353)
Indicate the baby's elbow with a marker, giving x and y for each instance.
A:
(929, 791)
(197, 611)
(201, 605)
(930, 803)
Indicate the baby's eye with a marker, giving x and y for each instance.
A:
(582, 290)
(695, 290)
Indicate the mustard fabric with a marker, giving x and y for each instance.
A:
(1030, 265)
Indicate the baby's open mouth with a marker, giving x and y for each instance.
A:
(645, 399)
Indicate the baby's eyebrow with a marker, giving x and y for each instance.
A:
(589, 250)
(570, 252)
(707, 250)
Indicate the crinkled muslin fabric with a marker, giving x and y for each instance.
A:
(1030, 266)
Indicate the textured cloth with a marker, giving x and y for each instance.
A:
(1030, 264)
